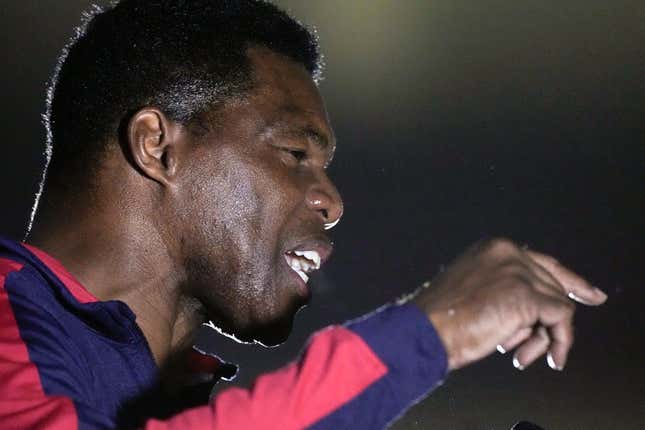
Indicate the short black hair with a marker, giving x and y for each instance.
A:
(182, 56)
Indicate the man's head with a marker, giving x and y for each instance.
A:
(205, 118)
(183, 56)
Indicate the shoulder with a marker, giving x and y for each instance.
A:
(33, 341)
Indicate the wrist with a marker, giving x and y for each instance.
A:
(443, 322)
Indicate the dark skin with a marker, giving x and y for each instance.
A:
(198, 226)
(497, 295)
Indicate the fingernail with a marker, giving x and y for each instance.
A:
(501, 349)
(551, 362)
(600, 292)
(517, 364)
(578, 299)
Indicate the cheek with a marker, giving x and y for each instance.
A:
(231, 206)
(239, 219)
(280, 201)
(241, 206)
(237, 207)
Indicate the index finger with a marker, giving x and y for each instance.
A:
(575, 286)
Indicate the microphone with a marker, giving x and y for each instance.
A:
(525, 425)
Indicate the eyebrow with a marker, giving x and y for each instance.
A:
(310, 133)
(304, 131)
(319, 139)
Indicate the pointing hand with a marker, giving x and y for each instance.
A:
(497, 295)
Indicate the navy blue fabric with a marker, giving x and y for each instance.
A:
(93, 353)
(407, 343)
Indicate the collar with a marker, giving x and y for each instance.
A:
(71, 283)
(47, 266)
(112, 318)
(203, 365)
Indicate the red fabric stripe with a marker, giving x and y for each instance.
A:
(200, 418)
(56, 413)
(337, 366)
(23, 403)
(73, 285)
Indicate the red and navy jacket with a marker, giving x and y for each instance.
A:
(68, 360)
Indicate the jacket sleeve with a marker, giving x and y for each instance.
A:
(362, 375)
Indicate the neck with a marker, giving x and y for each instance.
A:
(125, 260)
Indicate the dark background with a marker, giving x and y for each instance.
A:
(456, 120)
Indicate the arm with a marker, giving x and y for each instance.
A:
(494, 294)
(366, 374)
(361, 375)
(382, 362)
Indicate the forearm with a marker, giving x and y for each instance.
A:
(364, 374)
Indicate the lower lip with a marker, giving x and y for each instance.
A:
(302, 287)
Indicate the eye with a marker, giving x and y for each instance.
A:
(298, 154)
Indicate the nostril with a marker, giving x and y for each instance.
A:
(325, 204)
(319, 205)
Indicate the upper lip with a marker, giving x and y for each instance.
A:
(321, 245)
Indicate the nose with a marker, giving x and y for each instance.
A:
(323, 198)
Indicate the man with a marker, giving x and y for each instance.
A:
(187, 183)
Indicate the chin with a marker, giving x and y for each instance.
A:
(273, 334)
(267, 333)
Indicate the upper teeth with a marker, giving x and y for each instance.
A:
(312, 256)
(303, 262)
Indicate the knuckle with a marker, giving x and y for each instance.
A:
(494, 249)
(551, 260)
(568, 308)
(501, 246)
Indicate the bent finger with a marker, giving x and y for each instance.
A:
(519, 337)
(536, 346)
(562, 340)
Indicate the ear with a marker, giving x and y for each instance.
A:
(153, 145)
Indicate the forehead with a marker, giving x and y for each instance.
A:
(287, 98)
(279, 76)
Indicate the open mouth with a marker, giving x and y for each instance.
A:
(303, 262)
